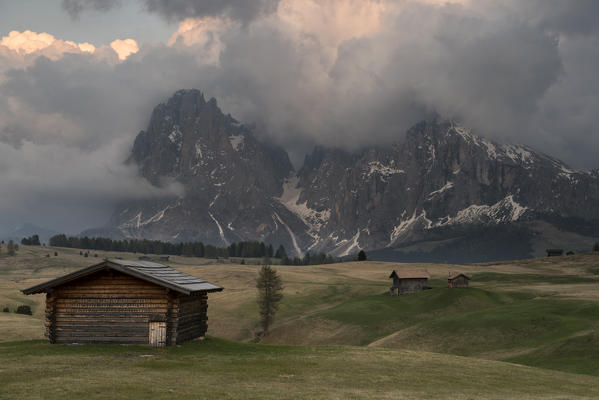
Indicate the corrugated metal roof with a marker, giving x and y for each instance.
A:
(156, 273)
(410, 274)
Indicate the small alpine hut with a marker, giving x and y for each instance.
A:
(409, 281)
(458, 280)
(128, 302)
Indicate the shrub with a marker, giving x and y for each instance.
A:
(5, 309)
(24, 309)
(596, 247)
(361, 256)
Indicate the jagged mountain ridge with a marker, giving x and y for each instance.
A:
(231, 179)
(440, 185)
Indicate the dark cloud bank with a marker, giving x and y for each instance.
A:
(512, 70)
(175, 10)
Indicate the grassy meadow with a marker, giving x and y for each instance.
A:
(525, 329)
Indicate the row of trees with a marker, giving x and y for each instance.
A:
(33, 240)
(190, 249)
(309, 259)
(249, 249)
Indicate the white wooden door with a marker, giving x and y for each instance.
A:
(158, 334)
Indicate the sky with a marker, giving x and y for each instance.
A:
(79, 79)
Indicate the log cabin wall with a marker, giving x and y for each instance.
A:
(192, 321)
(459, 282)
(409, 285)
(107, 307)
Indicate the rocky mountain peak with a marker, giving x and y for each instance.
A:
(230, 177)
(442, 191)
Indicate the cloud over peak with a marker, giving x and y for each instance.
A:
(305, 72)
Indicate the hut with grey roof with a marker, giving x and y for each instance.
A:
(458, 280)
(128, 302)
(409, 281)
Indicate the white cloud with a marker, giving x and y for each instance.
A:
(203, 34)
(124, 48)
(32, 44)
(28, 42)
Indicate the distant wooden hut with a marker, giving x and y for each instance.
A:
(409, 281)
(554, 252)
(131, 302)
(458, 280)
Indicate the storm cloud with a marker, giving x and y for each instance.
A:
(76, 7)
(176, 10)
(305, 73)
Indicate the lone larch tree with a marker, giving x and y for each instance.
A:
(270, 287)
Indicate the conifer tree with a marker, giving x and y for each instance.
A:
(281, 253)
(270, 287)
(361, 256)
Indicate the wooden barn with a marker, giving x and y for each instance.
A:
(458, 280)
(409, 281)
(130, 302)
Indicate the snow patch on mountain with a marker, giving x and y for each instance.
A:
(518, 154)
(506, 210)
(383, 171)
(220, 229)
(296, 247)
(156, 217)
(176, 136)
(314, 219)
(136, 221)
(448, 186)
(406, 226)
(237, 142)
(348, 246)
(199, 154)
(495, 151)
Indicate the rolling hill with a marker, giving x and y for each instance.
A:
(351, 339)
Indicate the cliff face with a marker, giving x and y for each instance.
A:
(231, 180)
(440, 191)
(441, 183)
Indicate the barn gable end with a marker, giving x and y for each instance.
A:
(409, 281)
(458, 280)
